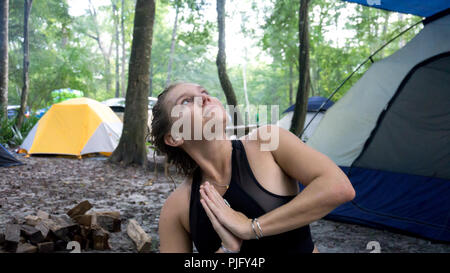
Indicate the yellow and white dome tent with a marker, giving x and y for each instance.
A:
(75, 127)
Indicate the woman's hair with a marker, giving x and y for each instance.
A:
(161, 125)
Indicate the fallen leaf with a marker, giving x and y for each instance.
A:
(149, 182)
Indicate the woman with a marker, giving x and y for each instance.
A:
(238, 197)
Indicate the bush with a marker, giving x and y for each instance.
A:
(10, 135)
(6, 132)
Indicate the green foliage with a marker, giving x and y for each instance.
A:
(330, 62)
(10, 135)
(64, 54)
(196, 30)
(6, 132)
(56, 60)
(65, 94)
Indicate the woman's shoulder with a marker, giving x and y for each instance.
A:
(174, 220)
(264, 138)
(176, 205)
(181, 195)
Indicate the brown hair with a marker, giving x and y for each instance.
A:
(161, 125)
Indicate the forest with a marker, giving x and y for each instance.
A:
(85, 45)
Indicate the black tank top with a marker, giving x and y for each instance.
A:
(246, 195)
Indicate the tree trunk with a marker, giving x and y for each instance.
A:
(26, 63)
(122, 26)
(131, 148)
(247, 117)
(4, 7)
(106, 54)
(172, 45)
(311, 80)
(107, 74)
(291, 82)
(150, 92)
(117, 42)
(64, 38)
(244, 78)
(298, 120)
(222, 67)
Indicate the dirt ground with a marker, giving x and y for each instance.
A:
(56, 184)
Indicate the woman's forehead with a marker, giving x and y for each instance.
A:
(187, 86)
(181, 89)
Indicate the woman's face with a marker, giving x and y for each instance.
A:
(191, 107)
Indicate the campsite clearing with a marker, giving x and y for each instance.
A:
(57, 184)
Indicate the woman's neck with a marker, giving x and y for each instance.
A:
(213, 157)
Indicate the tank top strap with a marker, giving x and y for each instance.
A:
(247, 181)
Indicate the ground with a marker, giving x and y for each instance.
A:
(56, 184)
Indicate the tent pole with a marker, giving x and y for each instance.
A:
(354, 71)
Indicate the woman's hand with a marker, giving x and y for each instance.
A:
(229, 240)
(234, 221)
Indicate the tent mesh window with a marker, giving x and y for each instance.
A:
(413, 134)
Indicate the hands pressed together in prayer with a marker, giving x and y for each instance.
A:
(232, 226)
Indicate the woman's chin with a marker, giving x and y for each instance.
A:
(214, 129)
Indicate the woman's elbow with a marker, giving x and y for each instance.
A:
(343, 191)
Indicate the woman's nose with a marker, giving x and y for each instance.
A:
(205, 99)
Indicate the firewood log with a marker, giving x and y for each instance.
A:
(79, 209)
(138, 235)
(12, 237)
(32, 234)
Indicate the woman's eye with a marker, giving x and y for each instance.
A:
(186, 101)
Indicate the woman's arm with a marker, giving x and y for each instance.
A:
(172, 235)
(229, 240)
(326, 185)
(326, 188)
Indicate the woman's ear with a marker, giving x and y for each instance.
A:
(173, 140)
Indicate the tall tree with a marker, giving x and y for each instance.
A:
(122, 30)
(131, 148)
(298, 119)
(4, 8)
(280, 39)
(53, 64)
(244, 20)
(26, 62)
(173, 41)
(150, 82)
(117, 43)
(222, 64)
(105, 52)
(291, 83)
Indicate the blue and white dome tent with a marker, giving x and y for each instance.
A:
(390, 133)
(312, 118)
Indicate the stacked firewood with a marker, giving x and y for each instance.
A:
(48, 233)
